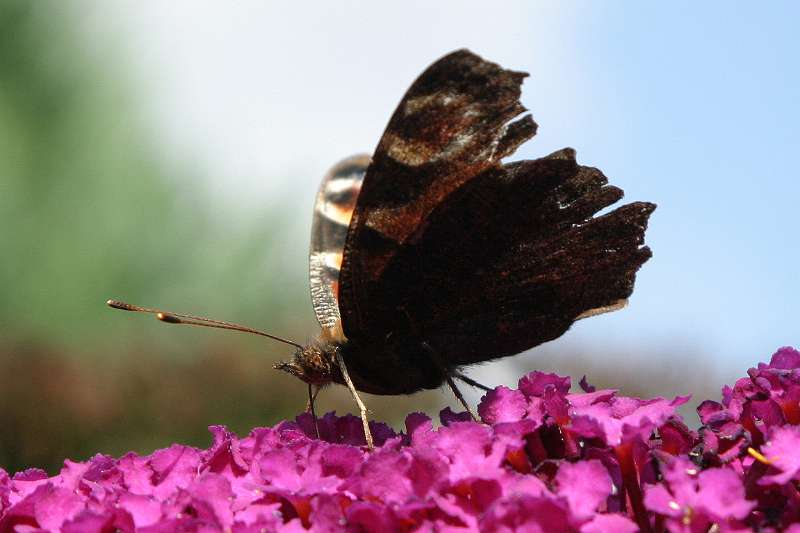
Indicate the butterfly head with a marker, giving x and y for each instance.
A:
(314, 363)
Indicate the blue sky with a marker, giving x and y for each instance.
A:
(691, 105)
(697, 108)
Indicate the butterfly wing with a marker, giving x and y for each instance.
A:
(333, 209)
(454, 122)
(450, 248)
(513, 258)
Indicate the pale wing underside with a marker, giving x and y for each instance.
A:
(333, 209)
(616, 306)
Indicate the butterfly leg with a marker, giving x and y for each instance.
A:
(449, 379)
(312, 395)
(460, 398)
(361, 406)
(471, 382)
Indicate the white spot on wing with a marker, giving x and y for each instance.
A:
(340, 185)
(415, 154)
(333, 260)
(616, 306)
(415, 105)
(335, 213)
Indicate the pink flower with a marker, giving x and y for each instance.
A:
(610, 523)
(694, 500)
(585, 485)
(502, 405)
(782, 450)
(543, 460)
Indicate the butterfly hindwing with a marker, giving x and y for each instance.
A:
(512, 259)
(333, 209)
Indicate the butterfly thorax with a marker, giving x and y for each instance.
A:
(315, 363)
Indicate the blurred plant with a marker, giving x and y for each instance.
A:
(56, 407)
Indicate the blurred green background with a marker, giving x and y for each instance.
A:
(167, 154)
(89, 210)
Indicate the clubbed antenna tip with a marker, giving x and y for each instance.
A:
(190, 320)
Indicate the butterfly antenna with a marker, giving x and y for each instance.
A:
(189, 320)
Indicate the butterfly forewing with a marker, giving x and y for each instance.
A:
(333, 209)
(454, 122)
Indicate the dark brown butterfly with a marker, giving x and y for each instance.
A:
(434, 254)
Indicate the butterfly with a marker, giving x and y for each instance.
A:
(434, 254)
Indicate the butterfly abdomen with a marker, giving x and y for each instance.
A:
(395, 367)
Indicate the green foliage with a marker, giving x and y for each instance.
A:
(84, 203)
(87, 208)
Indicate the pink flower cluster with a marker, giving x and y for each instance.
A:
(544, 459)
